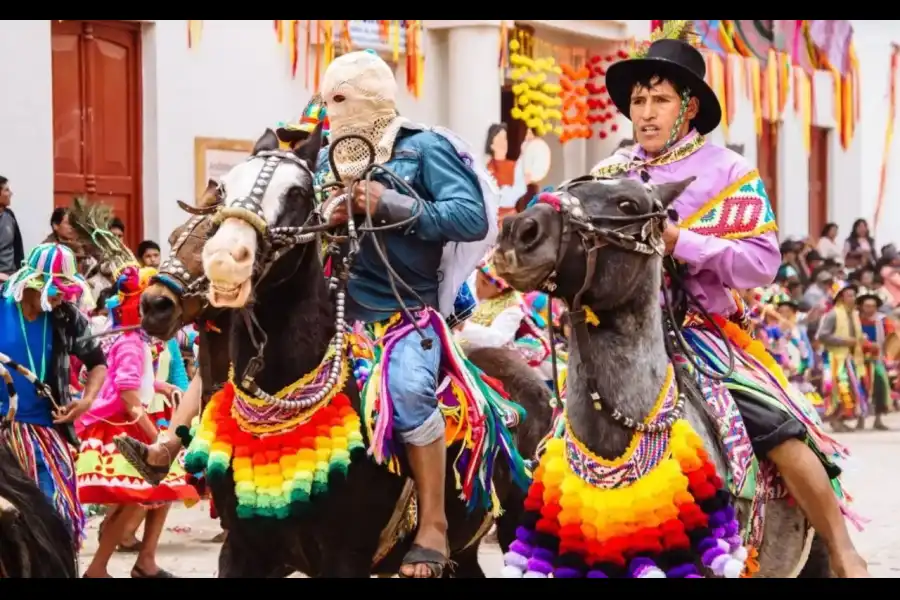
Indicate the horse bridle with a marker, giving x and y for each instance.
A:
(641, 234)
(172, 273)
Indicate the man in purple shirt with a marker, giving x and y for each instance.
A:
(724, 240)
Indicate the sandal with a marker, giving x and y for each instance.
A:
(136, 453)
(138, 573)
(418, 555)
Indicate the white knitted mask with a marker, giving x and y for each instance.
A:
(360, 94)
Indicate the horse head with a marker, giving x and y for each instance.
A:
(273, 188)
(592, 240)
(175, 297)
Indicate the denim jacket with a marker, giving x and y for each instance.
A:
(453, 211)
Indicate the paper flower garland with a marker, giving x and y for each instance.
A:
(537, 100)
(602, 110)
(576, 124)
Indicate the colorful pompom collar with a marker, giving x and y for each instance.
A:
(658, 511)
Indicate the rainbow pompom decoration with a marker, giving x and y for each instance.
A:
(585, 519)
(276, 474)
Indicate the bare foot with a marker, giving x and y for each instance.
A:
(850, 565)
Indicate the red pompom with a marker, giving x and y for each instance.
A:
(547, 526)
(551, 511)
(622, 54)
(614, 127)
(602, 135)
(609, 58)
(594, 60)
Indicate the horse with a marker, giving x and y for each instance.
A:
(364, 523)
(35, 541)
(176, 295)
(592, 245)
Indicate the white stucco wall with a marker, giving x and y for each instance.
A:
(26, 123)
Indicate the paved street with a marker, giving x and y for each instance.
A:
(872, 477)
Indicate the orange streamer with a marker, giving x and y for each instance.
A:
(888, 133)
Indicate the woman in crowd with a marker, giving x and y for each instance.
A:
(861, 241)
(827, 245)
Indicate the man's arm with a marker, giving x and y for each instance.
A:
(458, 213)
(740, 264)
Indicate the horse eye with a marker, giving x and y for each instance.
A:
(339, 98)
(629, 207)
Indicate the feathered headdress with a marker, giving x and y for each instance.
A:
(92, 220)
(671, 30)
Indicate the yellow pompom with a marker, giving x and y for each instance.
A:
(514, 45)
(516, 59)
(242, 463)
(323, 442)
(516, 113)
(243, 474)
(558, 130)
(555, 447)
(557, 70)
(306, 466)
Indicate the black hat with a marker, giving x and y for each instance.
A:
(864, 294)
(675, 61)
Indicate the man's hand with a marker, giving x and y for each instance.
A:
(670, 237)
(3, 277)
(70, 412)
(360, 203)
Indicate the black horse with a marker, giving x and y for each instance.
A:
(35, 541)
(342, 535)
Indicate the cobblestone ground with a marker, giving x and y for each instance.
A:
(871, 476)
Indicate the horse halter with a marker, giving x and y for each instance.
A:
(641, 234)
(172, 273)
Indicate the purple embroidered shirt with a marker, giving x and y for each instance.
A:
(716, 264)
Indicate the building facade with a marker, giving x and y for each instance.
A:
(118, 109)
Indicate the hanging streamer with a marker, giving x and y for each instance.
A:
(888, 134)
(195, 29)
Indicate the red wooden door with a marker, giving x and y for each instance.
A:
(818, 181)
(97, 117)
(767, 159)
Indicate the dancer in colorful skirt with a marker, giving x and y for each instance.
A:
(876, 326)
(797, 356)
(39, 326)
(841, 334)
(401, 362)
(104, 476)
(663, 92)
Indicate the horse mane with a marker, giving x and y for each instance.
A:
(35, 541)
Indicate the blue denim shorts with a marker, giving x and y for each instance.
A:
(412, 382)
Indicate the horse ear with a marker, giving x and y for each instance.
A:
(308, 149)
(210, 196)
(668, 192)
(266, 143)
